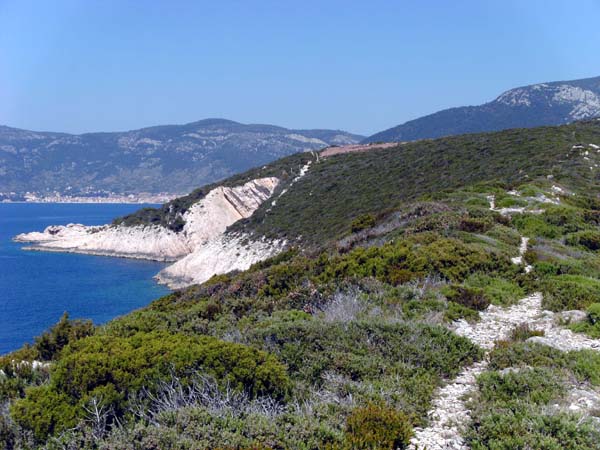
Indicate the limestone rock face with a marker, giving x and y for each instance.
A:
(154, 242)
(224, 206)
(220, 255)
(202, 248)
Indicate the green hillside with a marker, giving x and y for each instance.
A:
(341, 341)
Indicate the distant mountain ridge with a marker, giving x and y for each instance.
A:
(167, 158)
(554, 103)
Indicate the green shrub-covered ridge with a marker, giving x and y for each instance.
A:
(342, 340)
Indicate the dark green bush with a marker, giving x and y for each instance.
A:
(456, 311)
(422, 254)
(44, 411)
(589, 239)
(377, 427)
(593, 312)
(363, 350)
(49, 344)
(510, 412)
(566, 292)
(362, 223)
(112, 368)
(475, 225)
(498, 290)
(469, 297)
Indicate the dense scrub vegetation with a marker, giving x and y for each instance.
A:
(342, 343)
(383, 180)
(519, 402)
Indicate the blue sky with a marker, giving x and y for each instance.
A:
(85, 65)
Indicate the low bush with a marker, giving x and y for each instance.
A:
(362, 223)
(473, 298)
(538, 385)
(593, 313)
(510, 201)
(591, 326)
(509, 413)
(584, 365)
(535, 226)
(421, 255)
(456, 311)
(113, 369)
(566, 292)
(44, 411)
(377, 427)
(475, 225)
(524, 331)
(499, 291)
(363, 350)
(50, 343)
(590, 239)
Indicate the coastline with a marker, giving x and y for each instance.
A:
(98, 200)
(111, 254)
(200, 250)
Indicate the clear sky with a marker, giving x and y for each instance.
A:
(362, 66)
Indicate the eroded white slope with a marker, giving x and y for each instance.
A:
(223, 206)
(216, 256)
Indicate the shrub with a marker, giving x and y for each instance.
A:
(510, 412)
(362, 223)
(566, 292)
(113, 368)
(591, 327)
(524, 331)
(475, 225)
(363, 350)
(534, 225)
(530, 256)
(375, 427)
(509, 202)
(498, 290)
(49, 344)
(593, 312)
(44, 411)
(473, 298)
(589, 239)
(455, 312)
(522, 354)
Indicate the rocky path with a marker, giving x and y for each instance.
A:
(449, 414)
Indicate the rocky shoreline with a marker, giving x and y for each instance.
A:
(201, 250)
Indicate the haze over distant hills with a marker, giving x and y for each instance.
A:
(170, 158)
(554, 103)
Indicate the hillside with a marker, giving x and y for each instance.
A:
(437, 294)
(553, 103)
(338, 189)
(171, 158)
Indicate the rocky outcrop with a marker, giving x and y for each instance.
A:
(220, 255)
(201, 249)
(155, 242)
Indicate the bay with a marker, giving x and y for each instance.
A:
(36, 288)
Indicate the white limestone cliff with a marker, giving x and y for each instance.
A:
(201, 249)
(220, 255)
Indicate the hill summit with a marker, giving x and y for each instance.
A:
(555, 103)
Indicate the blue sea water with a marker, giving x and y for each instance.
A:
(37, 287)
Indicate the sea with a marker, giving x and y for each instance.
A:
(36, 288)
